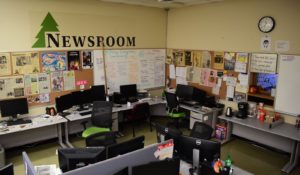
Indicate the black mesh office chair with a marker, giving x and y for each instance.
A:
(101, 139)
(173, 110)
(101, 118)
(139, 112)
(202, 131)
(7, 169)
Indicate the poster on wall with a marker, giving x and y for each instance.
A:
(206, 59)
(44, 83)
(196, 58)
(188, 58)
(69, 80)
(212, 78)
(218, 60)
(5, 64)
(241, 62)
(57, 81)
(25, 62)
(53, 61)
(179, 57)
(11, 87)
(229, 60)
(87, 59)
(73, 60)
(31, 84)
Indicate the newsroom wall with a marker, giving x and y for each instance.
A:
(231, 25)
(21, 21)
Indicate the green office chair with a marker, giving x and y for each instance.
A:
(101, 119)
(173, 110)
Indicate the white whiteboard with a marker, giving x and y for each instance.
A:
(288, 86)
(99, 78)
(144, 67)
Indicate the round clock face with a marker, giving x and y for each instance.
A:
(266, 24)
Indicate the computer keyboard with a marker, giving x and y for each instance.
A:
(85, 113)
(63, 114)
(18, 122)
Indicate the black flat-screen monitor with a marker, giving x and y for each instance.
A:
(125, 147)
(72, 158)
(129, 90)
(82, 98)
(199, 96)
(164, 133)
(184, 92)
(163, 167)
(64, 102)
(98, 93)
(14, 107)
(7, 170)
(123, 171)
(209, 150)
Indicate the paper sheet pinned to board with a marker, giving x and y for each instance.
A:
(181, 80)
(241, 88)
(181, 72)
(230, 92)
(231, 81)
(244, 79)
(172, 71)
(216, 90)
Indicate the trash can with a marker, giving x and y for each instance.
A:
(2, 156)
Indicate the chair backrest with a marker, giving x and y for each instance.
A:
(101, 139)
(7, 170)
(172, 101)
(139, 111)
(201, 130)
(102, 114)
(164, 133)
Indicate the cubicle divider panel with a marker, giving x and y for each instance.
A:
(113, 165)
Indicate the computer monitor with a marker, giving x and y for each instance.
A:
(163, 167)
(14, 107)
(123, 171)
(72, 158)
(7, 170)
(98, 93)
(164, 133)
(184, 92)
(125, 147)
(199, 96)
(82, 98)
(207, 150)
(129, 90)
(64, 102)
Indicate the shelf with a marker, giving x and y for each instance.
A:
(264, 96)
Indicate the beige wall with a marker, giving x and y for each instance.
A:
(21, 21)
(231, 25)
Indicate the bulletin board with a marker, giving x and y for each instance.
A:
(220, 65)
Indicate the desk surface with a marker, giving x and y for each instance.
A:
(37, 122)
(284, 129)
(76, 116)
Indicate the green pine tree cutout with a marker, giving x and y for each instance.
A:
(48, 25)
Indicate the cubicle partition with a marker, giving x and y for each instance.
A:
(113, 165)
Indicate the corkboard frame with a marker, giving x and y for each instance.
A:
(208, 90)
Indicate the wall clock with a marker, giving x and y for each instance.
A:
(266, 24)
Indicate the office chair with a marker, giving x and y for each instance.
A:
(173, 110)
(101, 139)
(7, 169)
(202, 131)
(139, 112)
(101, 118)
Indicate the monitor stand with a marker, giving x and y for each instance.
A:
(196, 162)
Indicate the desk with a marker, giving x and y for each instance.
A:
(41, 128)
(285, 136)
(184, 169)
(75, 116)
